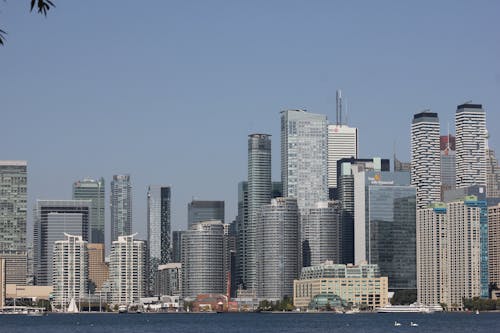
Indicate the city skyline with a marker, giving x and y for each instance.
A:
(247, 109)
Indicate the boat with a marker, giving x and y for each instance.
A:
(412, 308)
(397, 324)
(412, 324)
(122, 309)
(477, 311)
(72, 308)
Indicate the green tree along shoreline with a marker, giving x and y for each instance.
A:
(481, 304)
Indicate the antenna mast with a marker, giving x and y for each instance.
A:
(339, 107)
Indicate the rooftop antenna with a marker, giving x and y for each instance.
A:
(339, 107)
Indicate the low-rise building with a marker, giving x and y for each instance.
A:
(360, 285)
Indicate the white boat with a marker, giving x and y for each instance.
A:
(414, 308)
(397, 324)
(122, 309)
(413, 324)
(72, 308)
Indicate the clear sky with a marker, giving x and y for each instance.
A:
(168, 91)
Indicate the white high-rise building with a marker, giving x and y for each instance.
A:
(304, 157)
(342, 143)
(426, 158)
(70, 274)
(121, 206)
(127, 270)
(471, 136)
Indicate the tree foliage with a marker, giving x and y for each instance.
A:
(42, 7)
(404, 297)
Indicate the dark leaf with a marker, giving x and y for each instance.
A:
(2, 37)
(32, 4)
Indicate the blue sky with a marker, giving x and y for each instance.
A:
(169, 90)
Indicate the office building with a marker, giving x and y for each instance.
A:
(259, 194)
(320, 234)
(3, 285)
(54, 219)
(342, 143)
(360, 285)
(13, 181)
(16, 264)
(121, 206)
(242, 236)
(168, 280)
(494, 244)
(346, 168)
(471, 138)
(204, 210)
(304, 156)
(91, 189)
(70, 278)
(159, 223)
(400, 165)
(128, 270)
(277, 243)
(426, 158)
(385, 225)
(98, 268)
(203, 266)
(177, 245)
(492, 175)
(448, 160)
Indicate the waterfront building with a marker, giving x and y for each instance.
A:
(259, 194)
(242, 236)
(426, 158)
(54, 218)
(277, 243)
(360, 285)
(433, 265)
(94, 190)
(98, 268)
(205, 210)
(177, 245)
(342, 143)
(3, 285)
(345, 195)
(159, 223)
(494, 244)
(471, 139)
(304, 156)
(16, 264)
(168, 280)
(320, 234)
(203, 259)
(385, 225)
(70, 277)
(128, 270)
(121, 206)
(448, 161)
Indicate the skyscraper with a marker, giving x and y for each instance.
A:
(54, 219)
(98, 268)
(320, 234)
(492, 175)
(385, 225)
(177, 245)
(205, 210)
(471, 136)
(242, 235)
(304, 157)
(425, 158)
(342, 143)
(121, 206)
(127, 270)
(70, 281)
(13, 196)
(448, 160)
(203, 259)
(159, 223)
(91, 189)
(277, 244)
(494, 244)
(346, 168)
(259, 194)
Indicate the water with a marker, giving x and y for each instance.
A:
(251, 322)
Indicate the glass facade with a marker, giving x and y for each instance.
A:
(121, 206)
(199, 211)
(90, 189)
(391, 227)
(159, 223)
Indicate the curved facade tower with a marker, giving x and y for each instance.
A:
(277, 244)
(426, 158)
(259, 194)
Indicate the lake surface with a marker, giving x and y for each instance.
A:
(251, 322)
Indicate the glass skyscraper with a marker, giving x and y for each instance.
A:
(205, 210)
(91, 189)
(121, 206)
(159, 223)
(304, 157)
